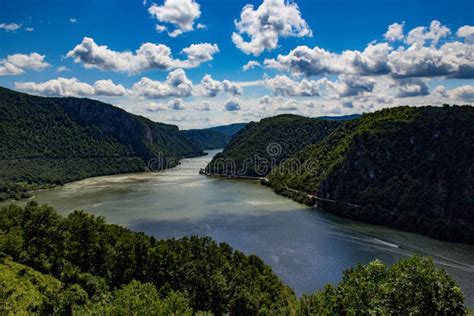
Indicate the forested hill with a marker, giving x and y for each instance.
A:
(46, 141)
(79, 265)
(408, 167)
(259, 146)
(213, 137)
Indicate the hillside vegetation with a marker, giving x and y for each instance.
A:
(50, 141)
(406, 167)
(258, 147)
(79, 264)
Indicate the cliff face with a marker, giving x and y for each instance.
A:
(259, 147)
(409, 168)
(45, 141)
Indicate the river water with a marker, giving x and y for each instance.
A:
(307, 248)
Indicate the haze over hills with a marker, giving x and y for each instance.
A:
(214, 137)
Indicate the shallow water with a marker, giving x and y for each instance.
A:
(306, 248)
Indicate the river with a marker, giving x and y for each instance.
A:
(307, 248)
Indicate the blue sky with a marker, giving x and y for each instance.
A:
(324, 84)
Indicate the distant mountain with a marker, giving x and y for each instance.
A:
(255, 149)
(408, 167)
(213, 137)
(48, 141)
(341, 118)
(230, 129)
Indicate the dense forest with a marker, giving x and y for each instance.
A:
(79, 264)
(258, 147)
(405, 167)
(50, 141)
(213, 137)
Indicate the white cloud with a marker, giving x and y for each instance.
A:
(289, 105)
(62, 69)
(452, 59)
(17, 64)
(264, 25)
(73, 20)
(176, 104)
(177, 84)
(411, 87)
(284, 86)
(250, 65)
(266, 100)
(232, 87)
(201, 26)
(211, 87)
(72, 87)
(58, 87)
(149, 56)
(29, 29)
(464, 93)
(422, 34)
(466, 32)
(180, 13)
(395, 32)
(350, 85)
(108, 88)
(316, 61)
(10, 27)
(232, 105)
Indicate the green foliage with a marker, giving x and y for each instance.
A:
(138, 299)
(51, 141)
(82, 250)
(258, 147)
(413, 286)
(84, 266)
(407, 167)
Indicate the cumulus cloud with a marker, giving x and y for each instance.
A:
(422, 34)
(156, 107)
(180, 13)
(288, 105)
(108, 88)
(58, 87)
(452, 59)
(266, 100)
(466, 32)
(177, 84)
(149, 56)
(350, 85)
(264, 25)
(17, 64)
(250, 65)
(232, 87)
(62, 69)
(176, 104)
(72, 87)
(315, 61)
(394, 32)
(232, 105)
(412, 87)
(464, 93)
(10, 27)
(284, 86)
(211, 87)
